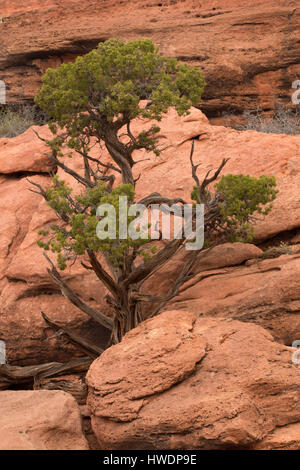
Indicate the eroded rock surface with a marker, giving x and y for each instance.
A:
(185, 382)
(248, 51)
(252, 293)
(40, 420)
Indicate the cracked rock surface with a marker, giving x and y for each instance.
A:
(187, 382)
(248, 51)
(266, 292)
(40, 420)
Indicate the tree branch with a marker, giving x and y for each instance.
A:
(201, 187)
(143, 270)
(86, 346)
(103, 275)
(75, 300)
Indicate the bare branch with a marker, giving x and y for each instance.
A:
(95, 160)
(201, 187)
(207, 180)
(38, 136)
(73, 297)
(85, 182)
(14, 375)
(41, 191)
(194, 169)
(130, 135)
(86, 346)
(143, 270)
(156, 198)
(180, 280)
(103, 275)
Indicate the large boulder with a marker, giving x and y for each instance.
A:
(40, 420)
(185, 382)
(248, 51)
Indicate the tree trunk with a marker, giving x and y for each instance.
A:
(127, 316)
(120, 155)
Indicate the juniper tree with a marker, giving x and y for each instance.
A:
(92, 102)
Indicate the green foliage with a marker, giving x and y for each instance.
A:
(98, 95)
(241, 196)
(238, 198)
(195, 196)
(80, 232)
(57, 197)
(104, 88)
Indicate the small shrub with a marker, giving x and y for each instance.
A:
(14, 122)
(276, 251)
(282, 121)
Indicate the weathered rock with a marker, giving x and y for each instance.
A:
(26, 288)
(25, 153)
(250, 152)
(225, 255)
(296, 237)
(285, 438)
(195, 383)
(73, 384)
(87, 428)
(17, 206)
(40, 420)
(248, 52)
(266, 293)
(28, 339)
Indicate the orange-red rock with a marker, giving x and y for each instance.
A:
(23, 154)
(248, 51)
(26, 288)
(195, 383)
(266, 293)
(40, 420)
(250, 152)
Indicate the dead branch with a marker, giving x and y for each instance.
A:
(207, 180)
(201, 187)
(183, 276)
(86, 346)
(156, 198)
(75, 300)
(15, 375)
(102, 275)
(143, 270)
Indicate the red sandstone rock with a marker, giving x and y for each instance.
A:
(23, 154)
(250, 152)
(195, 383)
(26, 288)
(266, 293)
(17, 207)
(40, 420)
(248, 51)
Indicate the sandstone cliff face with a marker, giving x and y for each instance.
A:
(249, 52)
(265, 292)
